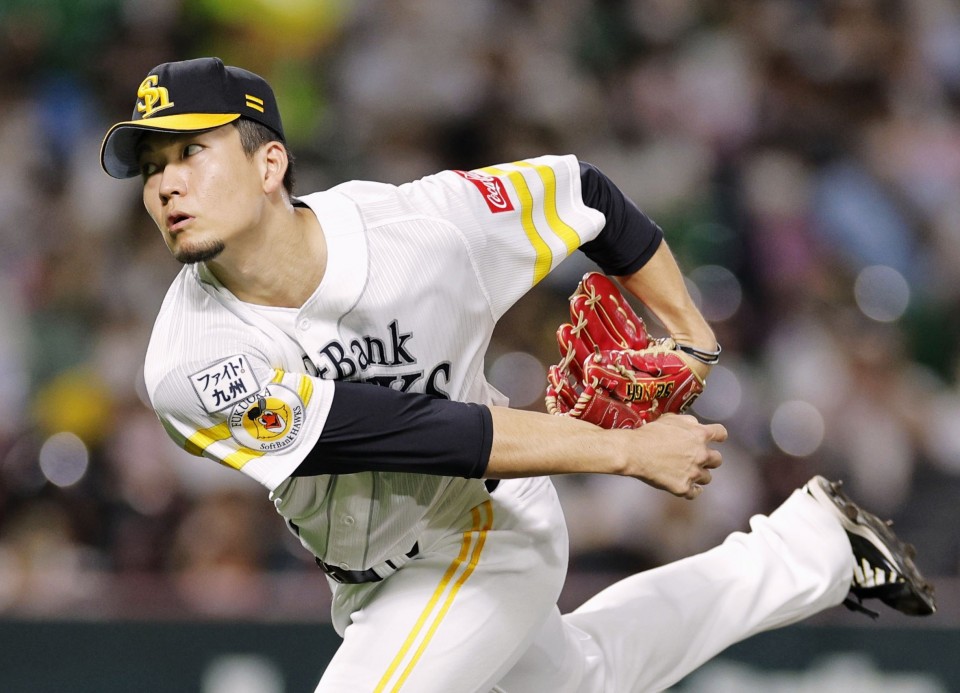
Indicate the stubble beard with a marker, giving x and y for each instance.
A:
(202, 252)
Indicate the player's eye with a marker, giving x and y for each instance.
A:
(191, 149)
(148, 168)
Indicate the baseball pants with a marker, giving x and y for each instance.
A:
(476, 611)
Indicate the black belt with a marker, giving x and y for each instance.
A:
(359, 577)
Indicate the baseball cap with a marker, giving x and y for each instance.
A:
(188, 96)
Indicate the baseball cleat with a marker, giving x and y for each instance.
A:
(883, 564)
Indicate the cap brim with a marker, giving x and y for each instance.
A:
(118, 153)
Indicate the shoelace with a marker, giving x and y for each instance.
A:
(865, 575)
(854, 603)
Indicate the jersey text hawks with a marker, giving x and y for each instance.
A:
(353, 360)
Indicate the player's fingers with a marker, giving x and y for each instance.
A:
(716, 432)
(694, 492)
(714, 459)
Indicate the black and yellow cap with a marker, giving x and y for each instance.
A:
(188, 96)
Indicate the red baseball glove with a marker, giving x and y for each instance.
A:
(611, 373)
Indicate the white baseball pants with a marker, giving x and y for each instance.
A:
(476, 611)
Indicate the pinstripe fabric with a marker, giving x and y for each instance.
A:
(417, 276)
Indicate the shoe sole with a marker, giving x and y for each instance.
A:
(919, 601)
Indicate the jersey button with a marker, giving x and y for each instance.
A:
(344, 566)
(347, 520)
(304, 324)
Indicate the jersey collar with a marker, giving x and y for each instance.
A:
(347, 254)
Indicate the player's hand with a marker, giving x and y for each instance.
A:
(676, 454)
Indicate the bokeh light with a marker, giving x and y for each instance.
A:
(797, 428)
(719, 291)
(721, 400)
(882, 293)
(64, 459)
(520, 376)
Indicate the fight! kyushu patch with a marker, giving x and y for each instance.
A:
(225, 383)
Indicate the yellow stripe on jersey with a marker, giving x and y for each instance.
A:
(563, 230)
(206, 437)
(544, 256)
(570, 239)
(241, 457)
(304, 385)
(475, 538)
(305, 390)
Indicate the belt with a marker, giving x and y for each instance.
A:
(359, 577)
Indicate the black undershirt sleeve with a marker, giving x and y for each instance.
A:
(377, 429)
(629, 239)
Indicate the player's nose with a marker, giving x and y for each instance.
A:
(173, 182)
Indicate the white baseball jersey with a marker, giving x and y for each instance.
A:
(417, 276)
(416, 279)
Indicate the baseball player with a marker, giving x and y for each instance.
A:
(427, 500)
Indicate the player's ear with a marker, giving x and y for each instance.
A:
(273, 157)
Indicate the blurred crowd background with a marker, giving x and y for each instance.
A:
(802, 156)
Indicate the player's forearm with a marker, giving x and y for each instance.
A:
(659, 284)
(529, 443)
(673, 453)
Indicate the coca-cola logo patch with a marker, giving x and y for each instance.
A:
(491, 187)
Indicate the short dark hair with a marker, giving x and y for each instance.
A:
(254, 135)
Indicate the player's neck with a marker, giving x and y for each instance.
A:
(286, 267)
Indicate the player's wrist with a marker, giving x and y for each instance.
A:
(709, 357)
(620, 448)
(695, 333)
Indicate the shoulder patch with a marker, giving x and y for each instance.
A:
(225, 383)
(492, 189)
(271, 420)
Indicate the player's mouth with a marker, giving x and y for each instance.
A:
(177, 221)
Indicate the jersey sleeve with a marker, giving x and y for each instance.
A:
(271, 425)
(629, 238)
(519, 220)
(241, 413)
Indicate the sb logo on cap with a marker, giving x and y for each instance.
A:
(151, 97)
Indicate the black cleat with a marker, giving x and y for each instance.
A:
(884, 567)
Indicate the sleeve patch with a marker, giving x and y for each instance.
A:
(225, 383)
(269, 421)
(492, 189)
